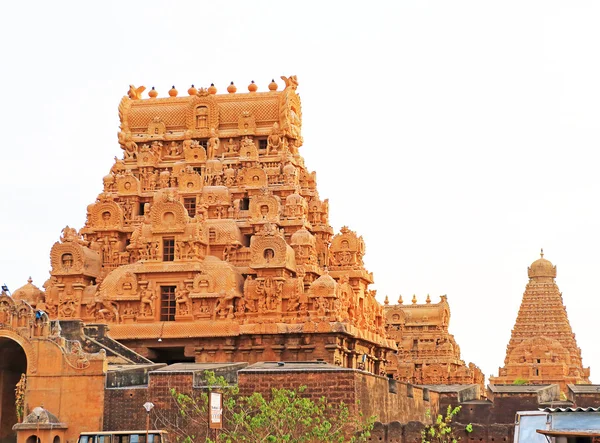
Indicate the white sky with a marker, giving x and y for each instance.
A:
(458, 137)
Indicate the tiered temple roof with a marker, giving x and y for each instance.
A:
(210, 241)
(542, 347)
(427, 353)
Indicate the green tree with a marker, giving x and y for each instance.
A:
(442, 430)
(520, 381)
(288, 416)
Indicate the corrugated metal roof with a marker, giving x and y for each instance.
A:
(578, 409)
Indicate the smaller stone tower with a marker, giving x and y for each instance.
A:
(542, 347)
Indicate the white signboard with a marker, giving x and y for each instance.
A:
(215, 410)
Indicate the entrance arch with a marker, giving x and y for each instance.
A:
(12, 365)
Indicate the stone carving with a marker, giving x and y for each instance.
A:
(427, 352)
(542, 347)
(135, 93)
(246, 123)
(212, 221)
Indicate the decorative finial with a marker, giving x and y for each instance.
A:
(152, 93)
(273, 86)
(414, 299)
(231, 88)
(400, 301)
(428, 299)
(212, 89)
(29, 280)
(173, 92)
(192, 90)
(386, 301)
(252, 87)
(542, 252)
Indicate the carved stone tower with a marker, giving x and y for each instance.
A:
(542, 347)
(427, 353)
(210, 243)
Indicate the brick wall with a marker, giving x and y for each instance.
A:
(396, 432)
(123, 408)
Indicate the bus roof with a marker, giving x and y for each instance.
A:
(151, 431)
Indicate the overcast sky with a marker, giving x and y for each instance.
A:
(458, 137)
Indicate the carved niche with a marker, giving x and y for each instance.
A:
(66, 258)
(193, 151)
(167, 214)
(106, 215)
(268, 249)
(248, 150)
(216, 196)
(7, 309)
(295, 206)
(246, 123)
(148, 155)
(202, 114)
(128, 184)
(255, 177)
(190, 180)
(71, 258)
(264, 207)
(347, 250)
(156, 127)
(127, 287)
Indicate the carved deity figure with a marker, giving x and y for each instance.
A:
(213, 144)
(182, 301)
(275, 141)
(147, 303)
(224, 305)
(20, 390)
(232, 147)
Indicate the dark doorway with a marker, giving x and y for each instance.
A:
(12, 364)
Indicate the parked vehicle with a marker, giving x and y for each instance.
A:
(124, 437)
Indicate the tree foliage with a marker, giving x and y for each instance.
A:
(442, 431)
(520, 381)
(287, 416)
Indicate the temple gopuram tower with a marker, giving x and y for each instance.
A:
(542, 347)
(427, 353)
(210, 243)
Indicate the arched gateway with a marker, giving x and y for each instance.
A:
(36, 360)
(13, 365)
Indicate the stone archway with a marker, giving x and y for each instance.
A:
(12, 364)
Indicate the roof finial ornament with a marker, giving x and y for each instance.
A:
(542, 252)
(414, 299)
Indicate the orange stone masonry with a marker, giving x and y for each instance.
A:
(542, 347)
(210, 241)
(427, 353)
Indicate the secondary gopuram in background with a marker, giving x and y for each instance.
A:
(427, 353)
(542, 347)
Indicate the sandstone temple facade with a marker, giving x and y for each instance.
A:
(210, 241)
(427, 353)
(542, 347)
